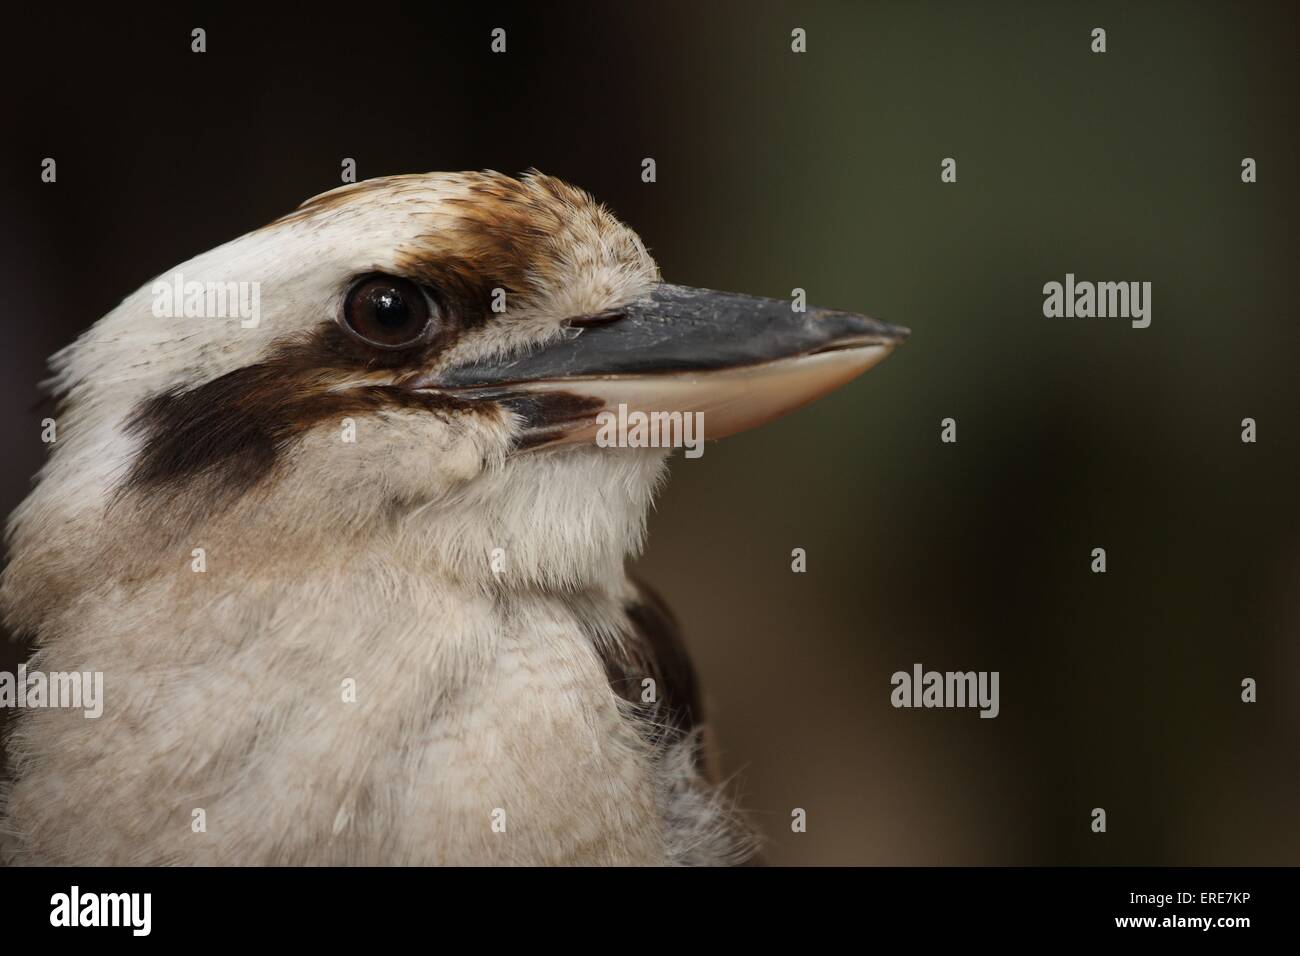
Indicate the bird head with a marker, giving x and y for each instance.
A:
(424, 373)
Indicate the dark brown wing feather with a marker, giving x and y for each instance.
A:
(655, 649)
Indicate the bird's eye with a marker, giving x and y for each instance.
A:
(388, 313)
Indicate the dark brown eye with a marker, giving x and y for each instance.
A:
(388, 313)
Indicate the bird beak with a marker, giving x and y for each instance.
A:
(738, 360)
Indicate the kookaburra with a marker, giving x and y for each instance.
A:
(354, 574)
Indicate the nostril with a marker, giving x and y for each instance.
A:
(596, 318)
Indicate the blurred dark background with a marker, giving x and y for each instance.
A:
(821, 170)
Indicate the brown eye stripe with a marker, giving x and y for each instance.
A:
(489, 232)
(231, 433)
(502, 236)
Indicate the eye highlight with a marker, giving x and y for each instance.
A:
(389, 313)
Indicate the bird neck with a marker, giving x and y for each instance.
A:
(345, 710)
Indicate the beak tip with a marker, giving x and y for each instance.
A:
(833, 325)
